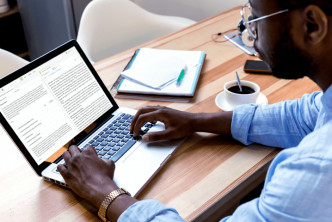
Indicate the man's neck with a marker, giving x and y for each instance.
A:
(322, 76)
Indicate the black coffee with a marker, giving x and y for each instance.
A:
(245, 90)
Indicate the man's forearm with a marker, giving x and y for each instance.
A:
(219, 123)
(119, 205)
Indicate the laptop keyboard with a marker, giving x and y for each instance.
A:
(115, 139)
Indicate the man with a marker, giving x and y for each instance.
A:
(295, 38)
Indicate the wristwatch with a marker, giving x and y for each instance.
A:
(108, 200)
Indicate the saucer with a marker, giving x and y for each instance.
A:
(222, 104)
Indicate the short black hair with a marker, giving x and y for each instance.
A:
(325, 5)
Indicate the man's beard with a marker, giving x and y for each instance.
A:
(285, 60)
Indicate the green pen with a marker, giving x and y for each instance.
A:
(178, 81)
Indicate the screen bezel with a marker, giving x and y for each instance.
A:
(34, 64)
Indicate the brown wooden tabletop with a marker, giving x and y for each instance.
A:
(207, 175)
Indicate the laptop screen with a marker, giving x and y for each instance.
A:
(49, 105)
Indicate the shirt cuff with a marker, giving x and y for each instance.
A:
(241, 121)
(148, 210)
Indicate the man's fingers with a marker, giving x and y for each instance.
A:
(66, 156)
(149, 117)
(156, 136)
(63, 170)
(110, 164)
(140, 112)
(91, 149)
(74, 150)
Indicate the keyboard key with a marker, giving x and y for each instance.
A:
(116, 140)
(121, 143)
(112, 144)
(104, 143)
(101, 133)
(126, 116)
(100, 140)
(107, 157)
(120, 136)
(102, 152)
(95, 144)
(116, 148)
(91, 141)
(109, 131)
(123, 150)
(117, 124)
(113, 128)
(125, 140)
(122, 121)
(104, 136)
(146, 124)
(99, 148)
(108, 139)
(111, 152)
(96, 137)
(105, 129)
(112, 135)
(107, 148)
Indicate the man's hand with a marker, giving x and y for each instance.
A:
(87, 175)
(178, 124)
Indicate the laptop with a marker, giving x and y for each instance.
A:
(58, 100)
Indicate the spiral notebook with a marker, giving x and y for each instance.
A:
(160, 74)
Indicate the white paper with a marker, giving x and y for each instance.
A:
(155, 71)
(193, 61)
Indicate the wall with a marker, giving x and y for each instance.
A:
(193, 9)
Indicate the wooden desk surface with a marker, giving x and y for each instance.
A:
(205, 177)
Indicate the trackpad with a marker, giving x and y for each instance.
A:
(138, 168)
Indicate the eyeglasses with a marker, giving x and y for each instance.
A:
(249, 21)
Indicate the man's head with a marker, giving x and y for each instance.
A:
(291, 42)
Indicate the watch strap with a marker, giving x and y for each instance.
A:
(108, 200)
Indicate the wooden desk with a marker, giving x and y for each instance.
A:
(206, 176)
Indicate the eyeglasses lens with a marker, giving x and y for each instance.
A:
(247, 17)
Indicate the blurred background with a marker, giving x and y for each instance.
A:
(30, 28)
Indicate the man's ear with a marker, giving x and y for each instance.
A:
(316, 24)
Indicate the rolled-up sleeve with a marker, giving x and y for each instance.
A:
(150, 210)
(282, 124)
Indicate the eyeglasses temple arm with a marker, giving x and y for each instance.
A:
(266, 16)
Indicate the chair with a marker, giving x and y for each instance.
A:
(108, 27)
(10, 62)
(193, 9)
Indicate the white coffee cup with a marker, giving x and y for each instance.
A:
(235, 99)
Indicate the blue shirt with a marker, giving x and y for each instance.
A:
(298, 185)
